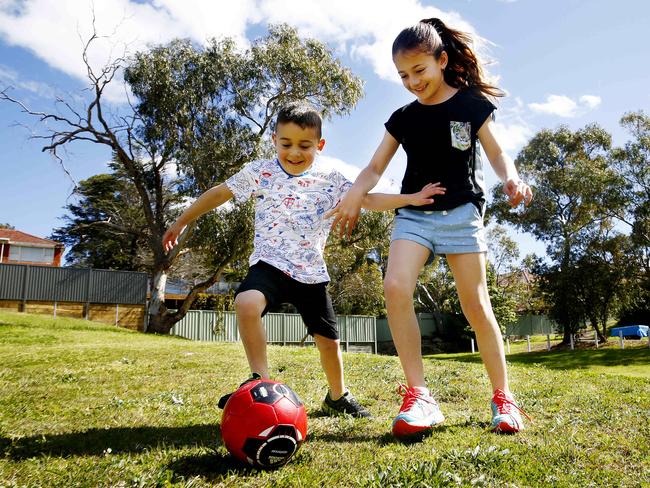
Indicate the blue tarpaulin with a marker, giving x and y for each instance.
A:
(630, 331)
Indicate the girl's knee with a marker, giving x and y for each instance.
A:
(394, 289)
(479, 314)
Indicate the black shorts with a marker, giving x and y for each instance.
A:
(312, 300)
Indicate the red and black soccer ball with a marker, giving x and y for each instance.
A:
(264, 423)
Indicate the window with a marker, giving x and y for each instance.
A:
(31, 254)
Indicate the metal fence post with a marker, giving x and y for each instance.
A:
(374, 328)
(621, 340)
(471, 340)
(347, 338)
(528, 342)
(88, 284)
(548, 342)
(284, 330)
(508, 344)
(596, 339)
(571, 340)
(25, 285)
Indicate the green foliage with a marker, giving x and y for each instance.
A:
(209, 109)
(436, 292)
(218, 303)
(7, 226)
(503, 300)
(503, 250)
(207, 112)
(436, 289)
(633, 163)
(105, 228)
(572, 179)
(361, 292)
(356, 276)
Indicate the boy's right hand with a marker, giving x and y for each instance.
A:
(423, 197)
(170, 239)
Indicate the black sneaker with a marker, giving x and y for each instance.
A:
(224, 399)
(346, 404)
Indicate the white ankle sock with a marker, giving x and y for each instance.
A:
(422, 390)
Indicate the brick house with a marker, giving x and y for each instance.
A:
(18, 247)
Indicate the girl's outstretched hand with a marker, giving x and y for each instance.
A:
(423, 197)
(346, 213)
(517, 190)
(170, 239)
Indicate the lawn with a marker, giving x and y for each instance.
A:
(84, 404)
(609, 358)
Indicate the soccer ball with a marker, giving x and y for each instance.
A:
(264, 423)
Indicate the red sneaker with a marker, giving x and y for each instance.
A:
(505, 413)
(419, 413)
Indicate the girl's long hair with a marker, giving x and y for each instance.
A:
(433, 37)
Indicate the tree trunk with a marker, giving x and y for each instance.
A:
(161, 320)
(599, 334)
(157, 309)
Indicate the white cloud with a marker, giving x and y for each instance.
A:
(563, 106)
(512, 136)
(511, 128)
(54, 31)
(590, 101)
(9, 77)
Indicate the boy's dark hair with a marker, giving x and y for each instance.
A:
(302, 114)
(432, 36)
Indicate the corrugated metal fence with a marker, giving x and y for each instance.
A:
(531, 325)
(357, 332)
(43, 283)
(431, 324)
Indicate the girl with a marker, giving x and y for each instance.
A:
(439, 132)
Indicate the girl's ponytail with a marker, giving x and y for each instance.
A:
(463, 69)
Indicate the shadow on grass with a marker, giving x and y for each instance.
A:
(210, 467)
(578, 359)
(95, 442)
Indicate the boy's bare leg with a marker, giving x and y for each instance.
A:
(249, 306)
(332, 361)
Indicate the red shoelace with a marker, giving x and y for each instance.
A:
(410, 395)
(504, 403)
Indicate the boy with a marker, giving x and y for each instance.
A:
(292, 195)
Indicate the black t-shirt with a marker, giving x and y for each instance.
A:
(441, 146)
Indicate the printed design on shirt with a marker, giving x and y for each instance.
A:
(290, 228)
(461, 134)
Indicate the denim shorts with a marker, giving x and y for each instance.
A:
(456, 231)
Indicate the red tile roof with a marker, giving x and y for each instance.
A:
(18, 237)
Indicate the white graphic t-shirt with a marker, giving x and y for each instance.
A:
(290, 230)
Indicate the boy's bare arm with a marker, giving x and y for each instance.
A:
(211, 199)
(387, 201)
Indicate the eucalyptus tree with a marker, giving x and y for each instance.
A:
(198, 114)
(573, 178)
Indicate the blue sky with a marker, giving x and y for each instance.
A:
(561, 62)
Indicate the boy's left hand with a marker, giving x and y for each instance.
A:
(517, 190)
(423, 197)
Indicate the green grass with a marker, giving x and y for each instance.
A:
(83, 404)
(633, 360)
